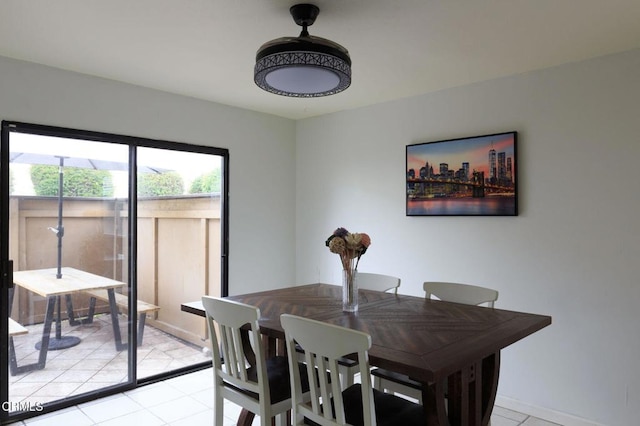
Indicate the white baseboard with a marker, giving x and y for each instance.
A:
(553, 416)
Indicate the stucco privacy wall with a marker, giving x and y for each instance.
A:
(262, 152)
(572, 253)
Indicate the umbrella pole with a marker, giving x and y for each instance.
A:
(60, 232)
(60, 342)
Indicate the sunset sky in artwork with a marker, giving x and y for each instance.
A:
(473, 150)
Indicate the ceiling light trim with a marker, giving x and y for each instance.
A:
(304, 66)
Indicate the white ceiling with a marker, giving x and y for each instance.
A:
(206, 48)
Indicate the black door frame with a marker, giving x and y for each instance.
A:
(6, 266)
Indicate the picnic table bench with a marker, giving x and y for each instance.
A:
(122, 301)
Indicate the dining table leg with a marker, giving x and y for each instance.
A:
(490, 376)
(246, 418)
(434, 403)
(466, 397)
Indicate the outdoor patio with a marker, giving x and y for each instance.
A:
(94, 363)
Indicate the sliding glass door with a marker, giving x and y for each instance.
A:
(179, 252)
(103, 238)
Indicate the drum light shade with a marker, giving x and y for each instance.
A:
(304, 66)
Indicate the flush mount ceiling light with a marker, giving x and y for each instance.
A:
(303, 66)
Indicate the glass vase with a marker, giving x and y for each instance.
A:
(350, 290)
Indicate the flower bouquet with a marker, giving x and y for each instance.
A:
(350, 247)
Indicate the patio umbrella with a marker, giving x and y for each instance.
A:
(62, 342)
(62, 161)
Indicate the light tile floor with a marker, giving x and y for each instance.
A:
(94, 363)
(186, 401)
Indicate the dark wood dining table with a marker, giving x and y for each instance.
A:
(453, 349)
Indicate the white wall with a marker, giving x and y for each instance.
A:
(261, 147)
(572, 253)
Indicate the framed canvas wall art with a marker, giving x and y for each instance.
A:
(472, 176)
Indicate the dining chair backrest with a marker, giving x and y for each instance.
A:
(460, 293)
(242, 378)
(324, 344)
(367, 281)
(378, 282)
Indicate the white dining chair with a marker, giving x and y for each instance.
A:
(358, 405)
(378, 282)
(460, 293)
(367, 281)
(392, 382)
(246, 377)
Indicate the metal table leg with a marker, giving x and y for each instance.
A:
(115, 323)
(59, 341)
(44, 344)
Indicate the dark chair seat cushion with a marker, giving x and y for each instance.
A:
(278, 376)
(391, 410)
